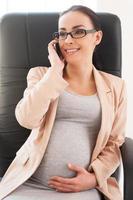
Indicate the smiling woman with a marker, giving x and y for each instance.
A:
(74, 111)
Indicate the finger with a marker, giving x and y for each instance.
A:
(63, 180)
(75, 168)
(63, 187)
(59, 184)
(52, 43)
(51, 48)
(60, 189)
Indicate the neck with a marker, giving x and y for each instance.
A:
(78, 73)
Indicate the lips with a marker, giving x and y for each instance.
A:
(71, 50)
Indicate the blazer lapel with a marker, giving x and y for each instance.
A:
(106, 99)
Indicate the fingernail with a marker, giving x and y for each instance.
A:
(51, 185)
(69, 165)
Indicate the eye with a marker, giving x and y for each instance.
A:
(79, 32)
(62, 34)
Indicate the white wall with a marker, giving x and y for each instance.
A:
(124, 9)
(7, 6)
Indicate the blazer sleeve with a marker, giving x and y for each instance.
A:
(109, 159)
(42, 88)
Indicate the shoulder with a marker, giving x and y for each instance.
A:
(37, 72)
(112, 80)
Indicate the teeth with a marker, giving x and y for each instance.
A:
(71, 50)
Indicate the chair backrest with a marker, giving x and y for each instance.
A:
(23, 44)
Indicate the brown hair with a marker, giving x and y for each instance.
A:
(87, 11)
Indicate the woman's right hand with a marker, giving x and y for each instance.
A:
(56, 63)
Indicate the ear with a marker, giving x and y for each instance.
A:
(98, 37)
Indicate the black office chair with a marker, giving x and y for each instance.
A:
(23, 44)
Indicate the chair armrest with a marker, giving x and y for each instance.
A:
(127, 156)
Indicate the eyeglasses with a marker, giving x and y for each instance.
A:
(78, 33)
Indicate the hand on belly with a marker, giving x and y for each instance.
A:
(83, 180)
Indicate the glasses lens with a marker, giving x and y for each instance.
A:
(78, 33)
(62, 35)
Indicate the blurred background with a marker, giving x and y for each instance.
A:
(121, 8)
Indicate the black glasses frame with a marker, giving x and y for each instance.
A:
(57, 34)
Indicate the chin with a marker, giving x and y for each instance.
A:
(73, 60)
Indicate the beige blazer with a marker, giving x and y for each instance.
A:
(37, 110)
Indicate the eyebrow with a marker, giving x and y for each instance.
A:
(77, 26)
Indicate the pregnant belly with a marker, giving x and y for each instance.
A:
(65, 146)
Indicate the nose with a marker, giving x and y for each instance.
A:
(69, 39)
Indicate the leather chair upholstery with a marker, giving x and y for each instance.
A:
(23, 44)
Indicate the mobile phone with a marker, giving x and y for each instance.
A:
(58, 50)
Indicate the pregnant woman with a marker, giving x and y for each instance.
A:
(77, 116)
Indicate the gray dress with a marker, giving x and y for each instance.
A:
(72, 140)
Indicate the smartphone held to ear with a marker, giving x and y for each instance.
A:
(58, 50)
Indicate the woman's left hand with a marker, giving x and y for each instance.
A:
(84, 180)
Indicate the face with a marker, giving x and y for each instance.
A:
(73, 49)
